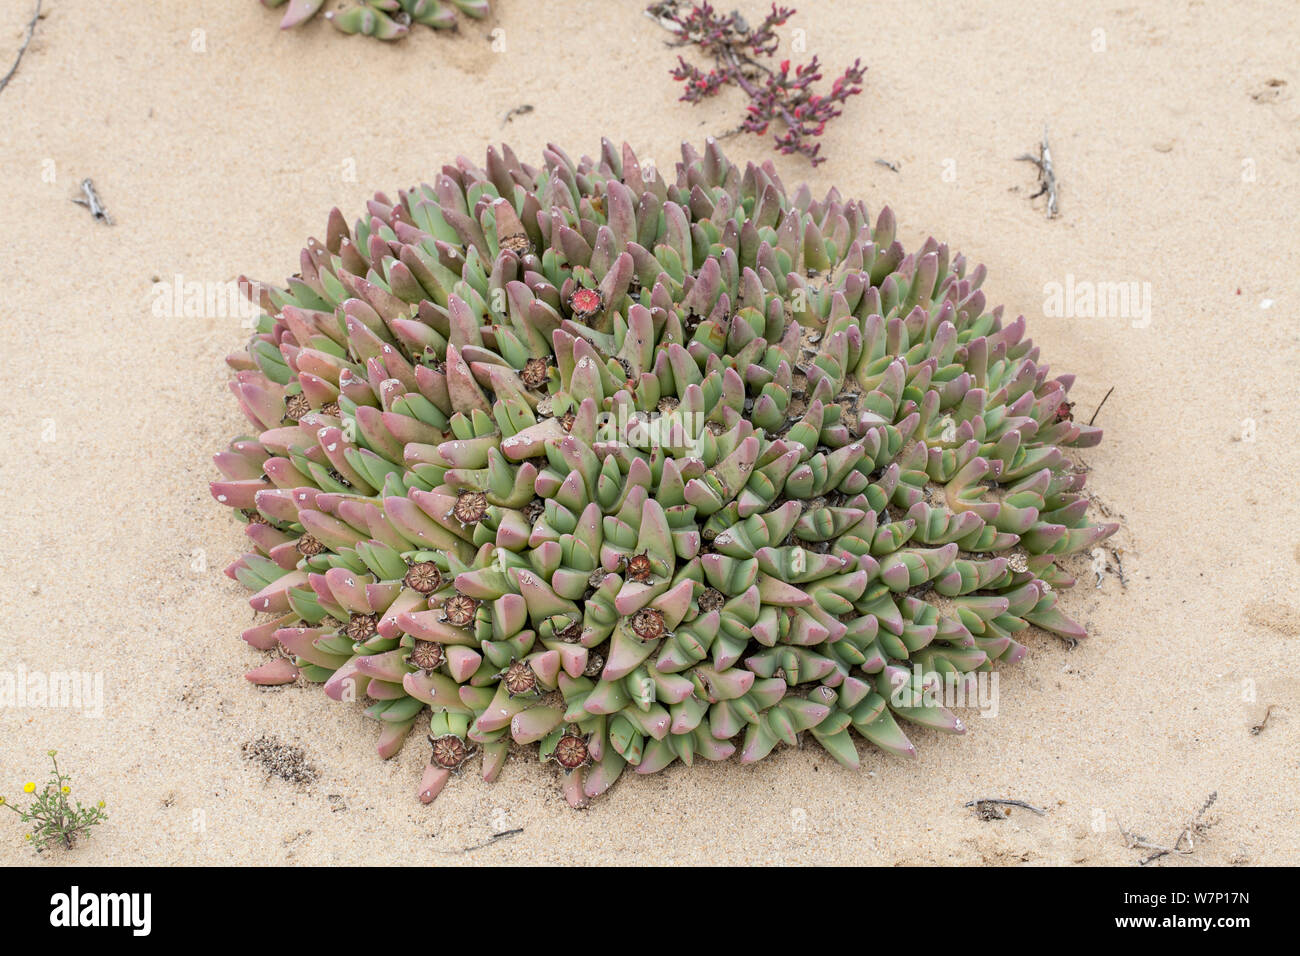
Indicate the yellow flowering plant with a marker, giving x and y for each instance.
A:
(54, 817)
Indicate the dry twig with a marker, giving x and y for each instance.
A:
(1259, 727)
(92, 202)
(984, 807)
(522, 110)
(31, 28)
(1046, 174)
(1194, 828)
(503, 835)
(1099, 404)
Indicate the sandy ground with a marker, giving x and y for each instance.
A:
(1179, 166)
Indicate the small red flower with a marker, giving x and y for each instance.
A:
(586, 302)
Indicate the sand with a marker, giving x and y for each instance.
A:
(1179, 166)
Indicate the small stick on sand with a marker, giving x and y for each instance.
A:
(984, 803)
(892, 167)
(31, 28)
(517, 111)
(1046, 174)
(1099, 404)
(1259, 727)
(1192, 829)
(92, 202)
(503, 835)
(1112, 559)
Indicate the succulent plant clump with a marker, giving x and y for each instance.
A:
(381, 19)
(643, 471)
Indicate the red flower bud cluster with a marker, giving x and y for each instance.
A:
(737, 50)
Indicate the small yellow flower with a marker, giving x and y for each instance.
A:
(67, 789)
(29, 787)
(2, 801)
(101, 804)
(29, 836)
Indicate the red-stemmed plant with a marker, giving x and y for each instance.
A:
(785, 94)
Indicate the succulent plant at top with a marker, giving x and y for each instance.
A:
(381, 19)
(643, 470)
